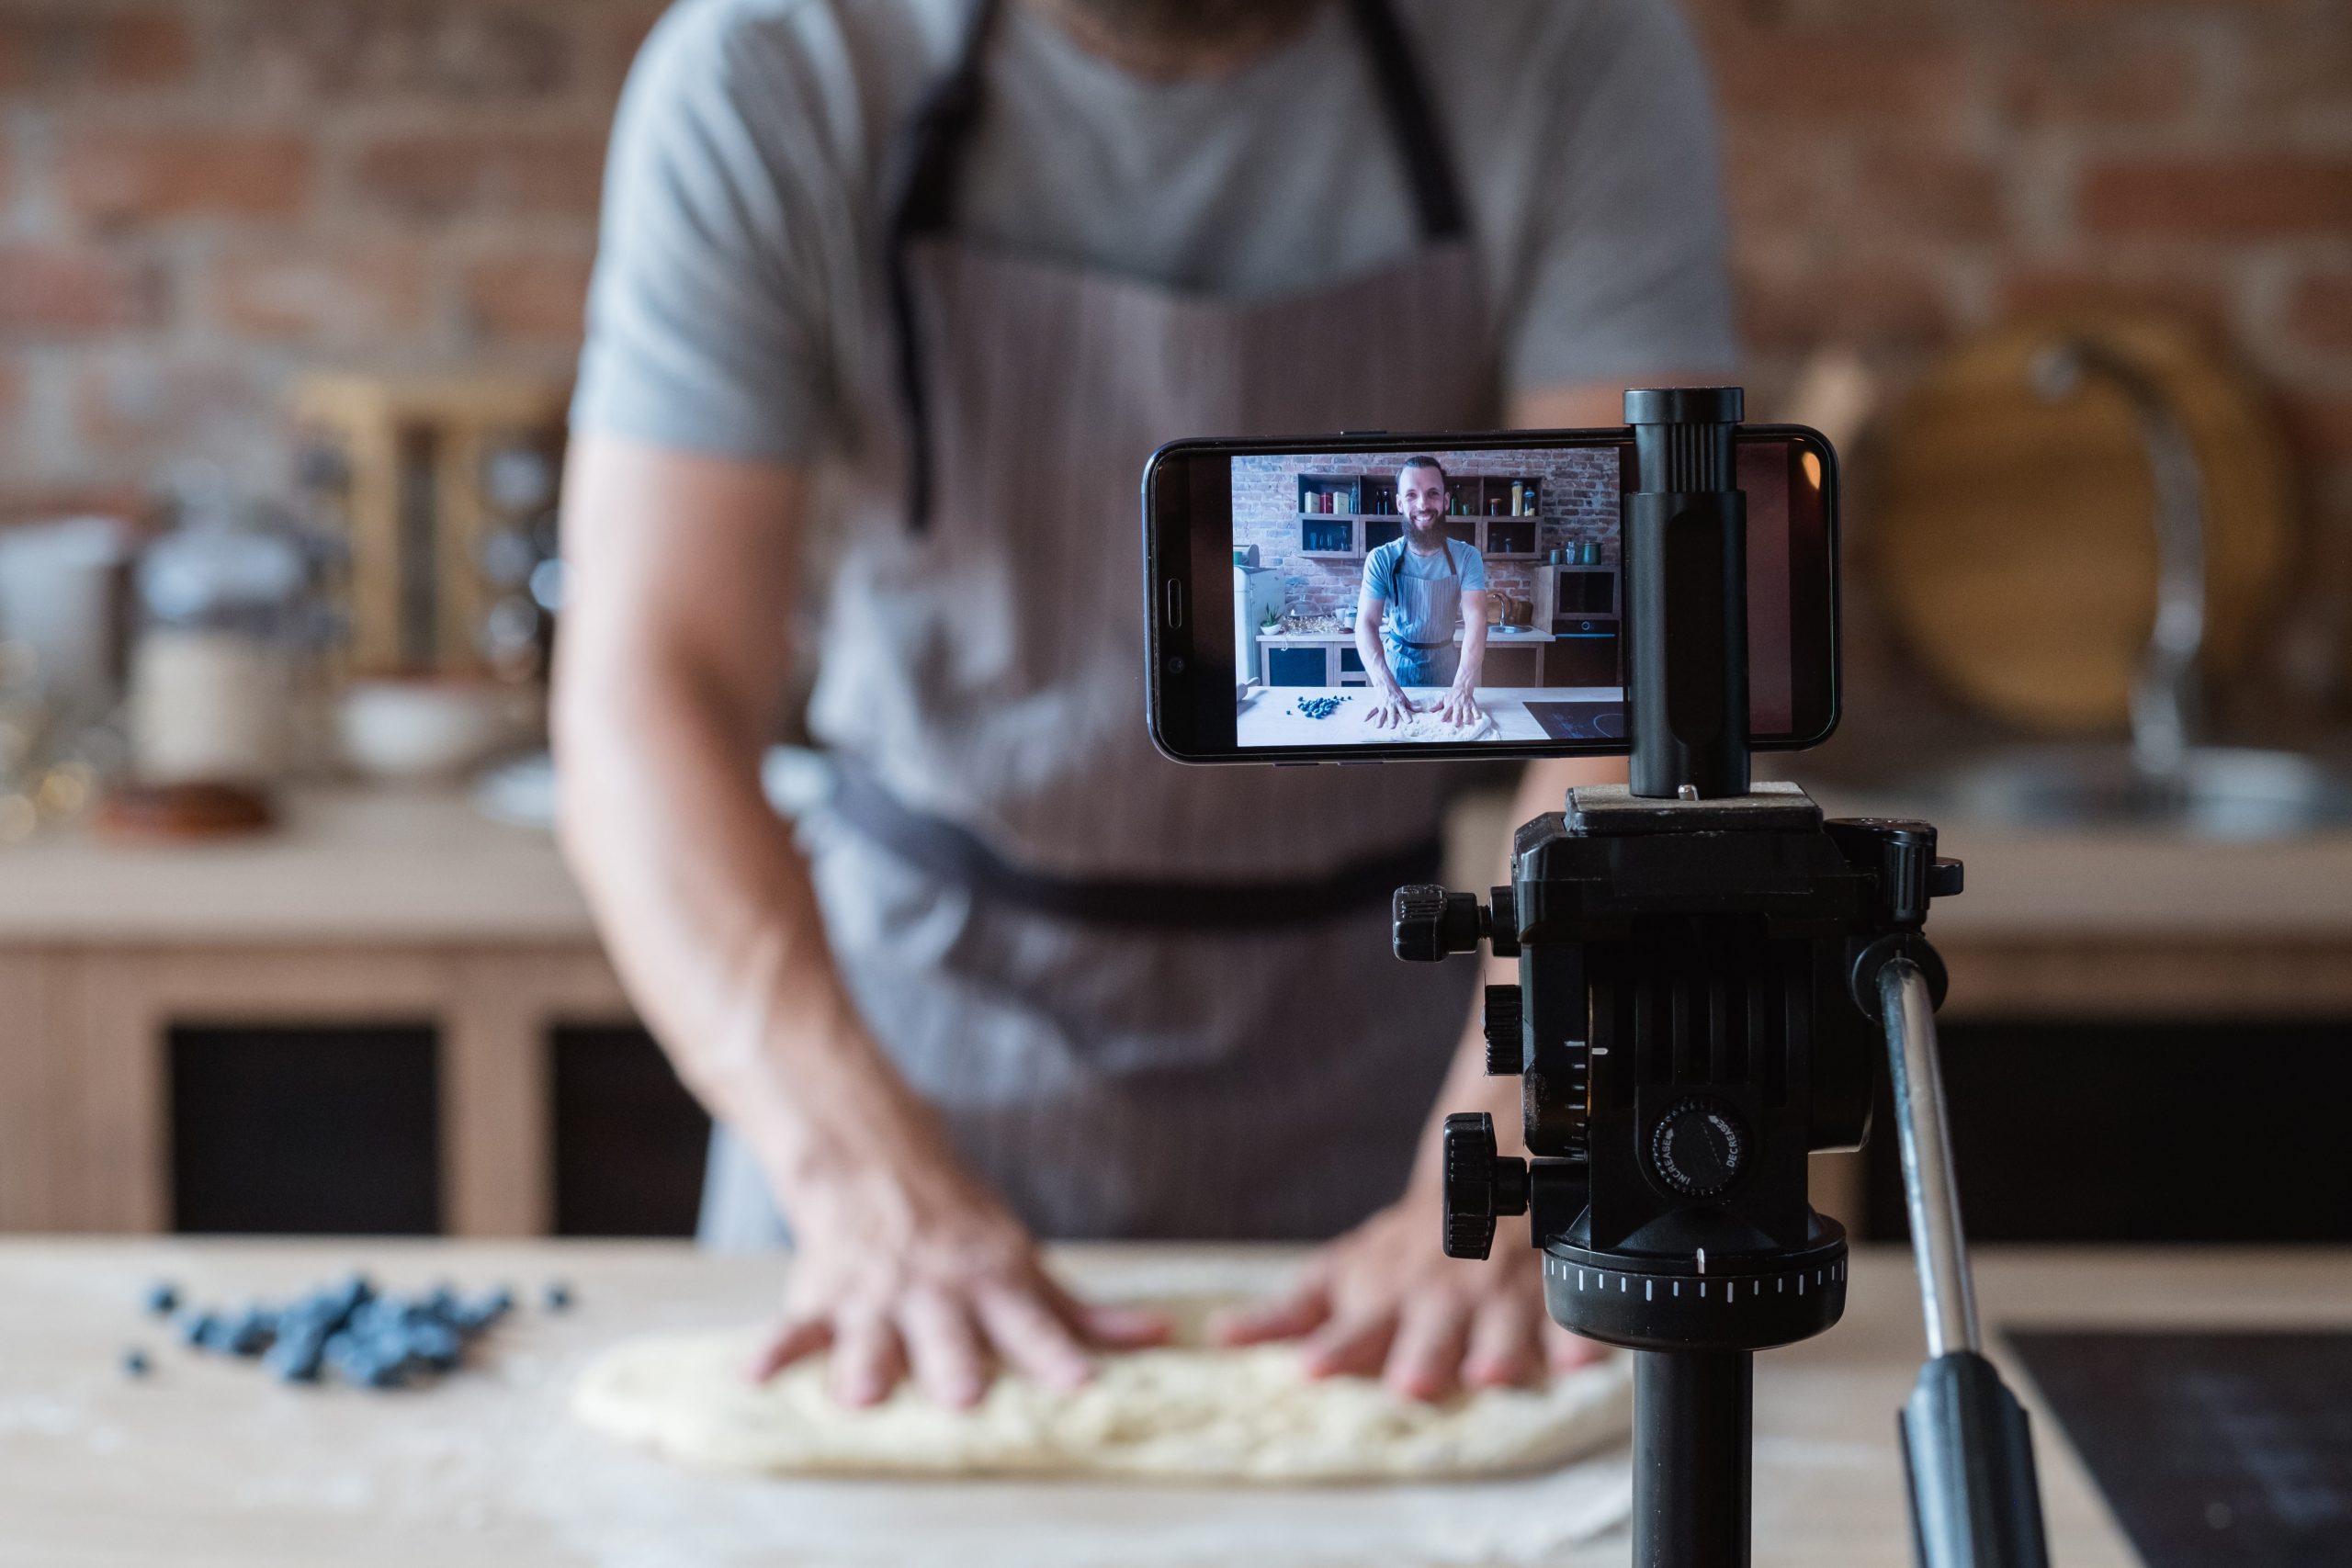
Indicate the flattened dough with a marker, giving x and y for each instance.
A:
(1178, 1414)
(1429, 725)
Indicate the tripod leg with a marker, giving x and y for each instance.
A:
(1966, 1444)
(1692, 1414)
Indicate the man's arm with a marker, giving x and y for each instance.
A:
(682, 571)
(1394, 705)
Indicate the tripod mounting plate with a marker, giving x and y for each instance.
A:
(1669, 1303)
(1608, 811)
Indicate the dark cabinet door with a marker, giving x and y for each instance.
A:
(1585, 654)
(1296, 666)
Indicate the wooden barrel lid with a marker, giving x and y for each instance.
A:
(2013, 536)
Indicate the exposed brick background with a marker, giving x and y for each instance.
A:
(199, 198)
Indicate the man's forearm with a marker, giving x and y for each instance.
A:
(1473, 654)
(708, 909)
(1376, 657)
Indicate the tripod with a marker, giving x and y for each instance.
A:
(1708, 974)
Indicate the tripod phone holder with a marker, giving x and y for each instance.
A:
(1708, 973)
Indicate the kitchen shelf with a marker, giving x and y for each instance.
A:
(1367, 530)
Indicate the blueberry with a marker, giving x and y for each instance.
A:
(351, 1357)
(295, 1357)
(252, 1331)
(135, 1363)
(491, 1305)
(557, 1296)
(195, 1330)
(163, 1297)
(374, 1315)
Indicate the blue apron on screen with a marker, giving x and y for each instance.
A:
(1417, 629)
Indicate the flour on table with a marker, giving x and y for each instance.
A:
(1433, 726)
(1177, 1414)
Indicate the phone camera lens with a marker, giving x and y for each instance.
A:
(1176, 664)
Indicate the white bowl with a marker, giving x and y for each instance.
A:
(431, 727)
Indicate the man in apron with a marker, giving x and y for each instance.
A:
(1423, 591)
(894, 297)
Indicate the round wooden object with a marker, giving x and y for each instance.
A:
(2014, 536)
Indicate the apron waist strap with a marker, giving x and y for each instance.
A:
(1442, 642)
(957, 855)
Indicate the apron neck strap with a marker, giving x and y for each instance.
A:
(942, 122)
(941, 129)
(1412, 121)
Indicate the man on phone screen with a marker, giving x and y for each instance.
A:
(1421, 592)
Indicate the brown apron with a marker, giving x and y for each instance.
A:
(982, 680)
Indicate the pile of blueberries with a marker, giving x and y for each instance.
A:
(1320, 707)
(369, 1338)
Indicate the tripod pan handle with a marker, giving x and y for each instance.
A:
(1968, 1451)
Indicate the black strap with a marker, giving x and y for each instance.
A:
(925, 204)
(1412, 121)
(933, 162)
(957, 855)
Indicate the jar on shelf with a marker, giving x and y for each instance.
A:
(228, 621)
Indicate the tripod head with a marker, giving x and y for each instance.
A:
(1703, 969)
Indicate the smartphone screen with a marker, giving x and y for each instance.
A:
(1286, 576)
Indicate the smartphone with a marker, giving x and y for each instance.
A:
(1259, 554)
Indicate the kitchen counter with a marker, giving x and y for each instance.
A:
(364, 908)
(344, 864)
(1269, 715)
(412, 908)
(207, 1462)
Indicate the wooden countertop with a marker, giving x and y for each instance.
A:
(356, 865)
(345, 865)
(2123, 884)
(209, 1463)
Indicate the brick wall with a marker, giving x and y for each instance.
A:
(1577, 497)
(199, 197)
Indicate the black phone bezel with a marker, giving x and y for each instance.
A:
(1185, 685)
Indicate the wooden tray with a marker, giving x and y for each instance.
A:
(2013, 537)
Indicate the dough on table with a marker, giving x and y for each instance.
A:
(1429, 725)
(1175, 1413)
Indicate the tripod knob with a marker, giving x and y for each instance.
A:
(1430, 924)
(1479, 1184)
(1699, 1148)
(1505, 1053)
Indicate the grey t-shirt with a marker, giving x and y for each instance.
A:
(741, 261)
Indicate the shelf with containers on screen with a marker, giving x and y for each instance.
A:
(1347, 516)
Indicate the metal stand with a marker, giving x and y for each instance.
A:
(1702, 967)
(1692, 1430)
(1967, 1449)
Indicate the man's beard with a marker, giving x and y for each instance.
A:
(1180, 23)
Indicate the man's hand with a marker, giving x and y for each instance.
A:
(1459, 706)
(1393, 709)
(1385, 1301)
(930, 1273)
